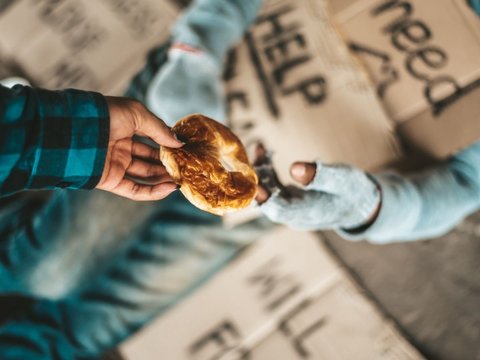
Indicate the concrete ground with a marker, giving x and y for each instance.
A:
(431, 289)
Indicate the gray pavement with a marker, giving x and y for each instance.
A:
(431, 288)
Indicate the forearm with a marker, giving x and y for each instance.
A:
(51, 139)
(216, 25)
(427, 204)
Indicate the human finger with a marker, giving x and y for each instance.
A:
(340, 179)
(312, 210)
(143, 169)
(156, 129)
(145, 151)
(261, 155)
(262, 195)
(303, 172)
(143, 192)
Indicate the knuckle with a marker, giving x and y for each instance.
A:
(154, 153)
(151, 171)
(136, 189)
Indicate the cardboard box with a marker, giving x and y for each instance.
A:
(284, 299)
(294, 85)
(423, 57)
(95, 45)
(363, 82)
(100, 45)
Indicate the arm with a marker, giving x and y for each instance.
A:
(80, 140)
(215, 25)
(427, 204)
(188, 78)
(431, 203)
(51, 139)
(339, 197)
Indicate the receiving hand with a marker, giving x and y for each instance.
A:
(331, 197)
(133, 169)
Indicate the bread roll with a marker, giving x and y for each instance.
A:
(212, 167)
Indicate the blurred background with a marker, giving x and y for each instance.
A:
(425, 293)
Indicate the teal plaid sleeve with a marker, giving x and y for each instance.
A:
(51, 139)
(475, 5)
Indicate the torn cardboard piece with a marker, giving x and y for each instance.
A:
(291, 83)
(286, 298)
(294, 85)
(423, 57)
(77, 43)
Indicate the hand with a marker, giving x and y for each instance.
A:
(133, 169)
(331, 197)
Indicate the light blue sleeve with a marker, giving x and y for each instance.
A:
(191, 79)
(426, 204)
(215, 25)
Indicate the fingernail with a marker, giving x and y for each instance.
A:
(303, 172)
(298, 171)
(176, 138)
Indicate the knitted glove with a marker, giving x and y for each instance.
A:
(339, 196)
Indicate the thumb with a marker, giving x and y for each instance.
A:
(303, 172)
(157, 130)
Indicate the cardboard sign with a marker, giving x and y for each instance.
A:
(95, 45)
(424, 59)
(294, 85)
(297, 82)
(293, 82)
(284, 299)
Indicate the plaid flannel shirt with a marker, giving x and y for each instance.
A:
(51, 139)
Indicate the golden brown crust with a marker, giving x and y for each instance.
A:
(199, 166)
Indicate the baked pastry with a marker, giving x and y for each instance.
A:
(212, 167)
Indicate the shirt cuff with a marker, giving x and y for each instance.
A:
(399, 212)
(74, 133)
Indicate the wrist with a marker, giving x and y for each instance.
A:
(74, 139)
(373, 215)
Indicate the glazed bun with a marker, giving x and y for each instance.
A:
(212, 167)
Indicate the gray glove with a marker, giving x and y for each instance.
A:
(335, 197)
